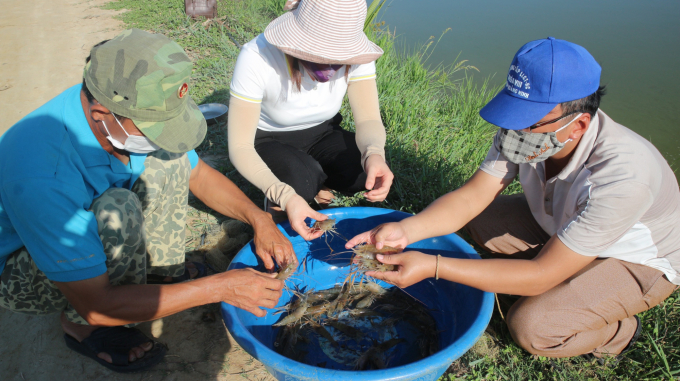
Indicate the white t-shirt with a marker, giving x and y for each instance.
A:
(617, 197)
(262, 76)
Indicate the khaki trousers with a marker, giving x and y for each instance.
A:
(591, 312)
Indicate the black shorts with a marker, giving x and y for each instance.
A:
(309, 159)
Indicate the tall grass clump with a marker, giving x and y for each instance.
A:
(372, 13)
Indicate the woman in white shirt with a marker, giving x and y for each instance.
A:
(284, 127)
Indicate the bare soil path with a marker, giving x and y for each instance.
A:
(43, 45)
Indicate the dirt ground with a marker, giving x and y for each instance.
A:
(43, 44)
(200, 347)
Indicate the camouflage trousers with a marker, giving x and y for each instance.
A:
(142, 232)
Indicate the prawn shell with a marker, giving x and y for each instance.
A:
(365, 302)
(318, 309)
(369, 248)
(375, 288)
(325, 225)
(293, 316)
(286, 272)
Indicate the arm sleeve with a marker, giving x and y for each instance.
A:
(607, 215)
(242, 126)
(249, 79)
(193, 158)
(362, 72)
(53, 221)
(496, 165)
(370, 132)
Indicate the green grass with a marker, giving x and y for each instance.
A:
(436, 140)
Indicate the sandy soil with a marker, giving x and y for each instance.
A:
(199, 349)
(43, 45)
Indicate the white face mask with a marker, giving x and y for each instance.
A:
(133, 143)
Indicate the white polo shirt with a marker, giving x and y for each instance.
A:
(617, 197)
(262, 76)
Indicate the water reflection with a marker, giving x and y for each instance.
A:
(636, 42)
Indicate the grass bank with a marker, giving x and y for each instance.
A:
(436, 140)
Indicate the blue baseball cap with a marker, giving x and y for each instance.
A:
(543, 74)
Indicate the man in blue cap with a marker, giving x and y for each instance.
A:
(594, 239)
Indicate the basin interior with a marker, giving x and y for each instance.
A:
(454, 307)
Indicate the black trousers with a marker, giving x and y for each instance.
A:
(307, 160)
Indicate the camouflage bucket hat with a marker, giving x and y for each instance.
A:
(144, 77)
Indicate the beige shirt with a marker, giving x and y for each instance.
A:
(617, 197)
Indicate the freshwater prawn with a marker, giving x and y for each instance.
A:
(295, 316)
(328, 228)
(353, 308)
(374, 355)
(286, 271)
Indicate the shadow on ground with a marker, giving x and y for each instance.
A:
(200, 348)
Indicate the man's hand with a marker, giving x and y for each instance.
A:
(249, 290)
(379, 178)
(390, 234)
(270, 243)
(102, 304)
(222, 195)
(298, 210)
(412, 267)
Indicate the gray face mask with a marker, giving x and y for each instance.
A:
(529, 147)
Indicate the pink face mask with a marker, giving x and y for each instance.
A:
(321, 72)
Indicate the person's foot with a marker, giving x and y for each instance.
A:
(324, 197)
(192, 270)
(81, 332)
(628, 348)
(278, 215)
(188, 266)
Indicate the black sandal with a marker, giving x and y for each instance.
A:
(117, 342)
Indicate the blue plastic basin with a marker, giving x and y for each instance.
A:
(461, 312)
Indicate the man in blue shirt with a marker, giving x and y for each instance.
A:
(93, 198)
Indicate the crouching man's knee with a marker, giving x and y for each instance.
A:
(120, 222)
(531, 327)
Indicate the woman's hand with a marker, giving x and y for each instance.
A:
(412, 267)
(390, 234)
(298, 210)
(379, 178)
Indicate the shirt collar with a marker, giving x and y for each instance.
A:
(582, 152)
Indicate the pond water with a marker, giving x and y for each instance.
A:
(637, 43)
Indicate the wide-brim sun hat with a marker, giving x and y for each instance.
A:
(144, 77)
(543, 74)
(324, 32)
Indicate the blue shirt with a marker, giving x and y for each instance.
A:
(51, 169)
